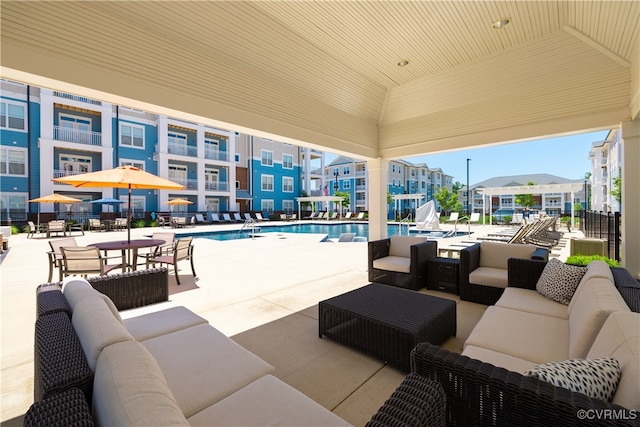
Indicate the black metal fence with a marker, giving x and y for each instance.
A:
(603, 225)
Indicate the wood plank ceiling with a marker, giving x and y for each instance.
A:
(325, 73)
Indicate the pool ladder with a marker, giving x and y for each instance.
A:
(249, 223)
(405, 221)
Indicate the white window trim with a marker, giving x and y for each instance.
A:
(26, 160)
(287, 179)
(262, 177)
(24, 109)
(262, 158)
(271, 204)
(132, 126)
(284, 163)
(346, 184)
(140, 164)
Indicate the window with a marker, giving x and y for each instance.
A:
(212, 204)
(266, 206)
(138, 205)
(346, 170)
(13, 161)
(287, 161)
(393, 168)
(13, 205)
(287, 205)
(12, 116)
(287, 184)
(237, 157)
(135, 163)
(131, 135)
(266, 182)
(267, 158)
(346, 184)
(211, 178)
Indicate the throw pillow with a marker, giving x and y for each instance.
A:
(559, 281)
(597, 378)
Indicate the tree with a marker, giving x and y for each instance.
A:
(616, 191)
(526, 200)
(345, 197)
(448, 200)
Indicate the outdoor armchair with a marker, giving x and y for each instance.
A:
(55, 255)
(83, 260)
(182, 250)
(163, 249)
(33, 229)
(96, 224)
(401, 261)
(56, 226)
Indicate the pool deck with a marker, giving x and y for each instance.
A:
(262, 292)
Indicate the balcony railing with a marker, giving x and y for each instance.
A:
(59, 173)
(217, 186)
(189, 184)
(182, 150)
(77, 136)
(76, 98)
(216, 155)
(361, 173)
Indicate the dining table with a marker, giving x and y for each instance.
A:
(129, 249)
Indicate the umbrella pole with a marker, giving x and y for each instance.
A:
(129, 217)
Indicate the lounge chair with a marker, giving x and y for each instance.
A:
(226, 217)
(360, 216)
(259, 216)
(455, 216)
(333, 215)
(237, 217)
(474, 218)
(200, 219)
(248, 217)
(346, 237)
(214, 217)
(313, 215)
(182, 250)
(348, 215)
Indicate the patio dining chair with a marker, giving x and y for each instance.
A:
(96, 224)
(85, 260)
(33, 229)
(55, 255)
(165, 248)
(182, 250)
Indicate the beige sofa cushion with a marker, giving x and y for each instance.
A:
(162, 322)
(500, 360)
(203, 366)
(267, 402)
(393, 263)
(75, 288)
(620, 338)
(400, 246)
(531, 301)
(97, 327)
(496, 254)
(592, 303)
(527, 336)
(489, 276)
(130, 390)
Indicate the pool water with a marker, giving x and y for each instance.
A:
(332, 231)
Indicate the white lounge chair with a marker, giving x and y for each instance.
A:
(259, 216)
(248, 217)
(237, 217)
(200, 219)
(214, 217)
(226, 217)
(455, 216)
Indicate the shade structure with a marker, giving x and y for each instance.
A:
(128, 177)
(53, 198)
(107, 201)
(179, 202)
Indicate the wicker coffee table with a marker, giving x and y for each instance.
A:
(387, 322)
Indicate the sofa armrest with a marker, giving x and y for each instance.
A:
(134, 289)
(420, 256)
(524, 273)
(68, 408)
(469, 261)
(417, 401)
(541, 254)
(479, 393)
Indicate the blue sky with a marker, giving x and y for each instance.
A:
(566, 156)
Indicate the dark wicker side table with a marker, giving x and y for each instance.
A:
(387, 322)
(444, 274)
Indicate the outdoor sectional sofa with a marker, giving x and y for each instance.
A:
(485, 385)
(165, 365)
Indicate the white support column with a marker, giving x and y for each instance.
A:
(231, 148)
(630, 198)
(201, 206)
(377, 174)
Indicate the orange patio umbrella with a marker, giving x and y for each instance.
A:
(53, 198)
(179, 202)
(128, 177)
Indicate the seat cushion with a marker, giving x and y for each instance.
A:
(400, 246)
(162, 322)
(130, 390)
(489, 276)
(500, 360)
(531, 301)
(267, 402)
(528, 336)
(203, 366)
(619, 337)
(393, 263)
(97, 327)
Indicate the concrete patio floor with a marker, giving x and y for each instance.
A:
(262, 292)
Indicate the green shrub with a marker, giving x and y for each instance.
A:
(583, 260)
(507, 219)
(139, 223)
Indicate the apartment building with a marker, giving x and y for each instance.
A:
(606, 164)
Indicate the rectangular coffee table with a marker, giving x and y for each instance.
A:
(387, 322)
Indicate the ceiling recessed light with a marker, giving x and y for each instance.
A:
(403, 63)
(501, 23)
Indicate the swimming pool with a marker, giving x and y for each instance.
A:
(332, 231)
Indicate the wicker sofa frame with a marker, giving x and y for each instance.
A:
(487, 295)
(416, 278)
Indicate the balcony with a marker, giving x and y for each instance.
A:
(182, 150)
(361, 173)
(217, 186)
(215, 155)
(77, 136)
(59, 173)
(76, 98)
(189, 184)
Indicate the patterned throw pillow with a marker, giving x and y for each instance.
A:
(597, 378)
(559, 281)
